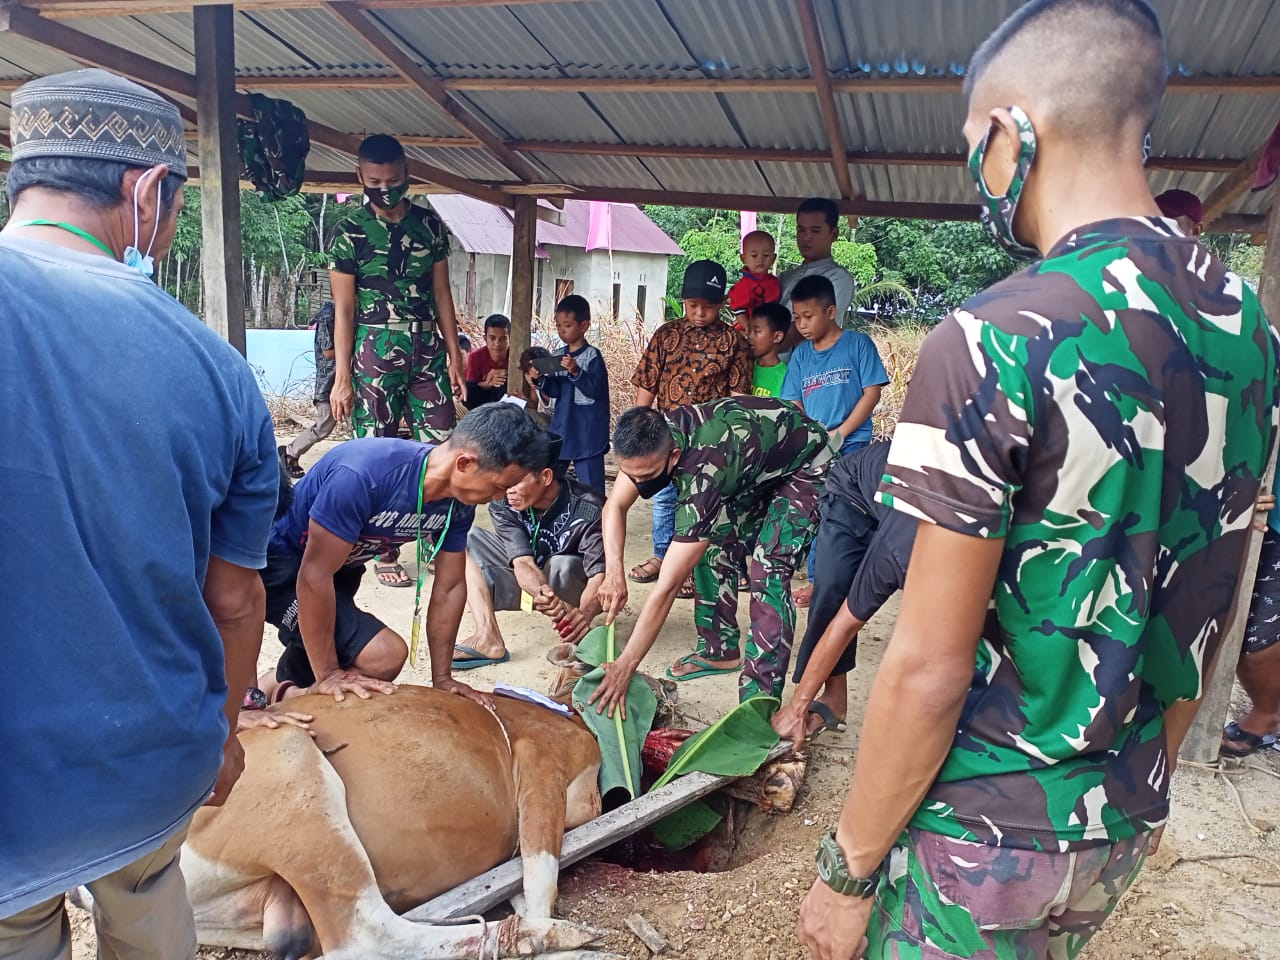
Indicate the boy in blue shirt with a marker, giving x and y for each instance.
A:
(581, 394)
(835, 376)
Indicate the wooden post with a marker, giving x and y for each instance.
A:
(524, 241)
(221, 254)
(1201, 744)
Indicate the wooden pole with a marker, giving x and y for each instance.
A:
(826, 98)
(524, 241)
(1201, 744)
(221, 256)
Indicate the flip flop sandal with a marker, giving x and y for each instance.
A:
(474, 658)
(802, 594)
(650, 568)
(1252, 742)
(704, 668)
(404, 580)
(687, 590)
(829, 720)
(744, 582)
(290, 464)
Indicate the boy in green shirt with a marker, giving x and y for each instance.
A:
(766, 330)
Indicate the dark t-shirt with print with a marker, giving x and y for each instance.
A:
(325, 366)
(571, 525)
(366, 492)
(735, 452)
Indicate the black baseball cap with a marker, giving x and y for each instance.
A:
(705, 280)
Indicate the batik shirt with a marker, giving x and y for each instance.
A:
(392, 264)
(685, 364)
(735, 452)
(1108, 413)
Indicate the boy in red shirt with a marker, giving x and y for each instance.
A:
(757, 285)
(487, 365)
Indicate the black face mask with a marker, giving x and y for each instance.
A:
(387, 198)
(650, 488)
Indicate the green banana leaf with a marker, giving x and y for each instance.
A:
(736, 745)
(620, 740)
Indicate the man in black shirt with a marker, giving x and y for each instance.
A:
(545, 553)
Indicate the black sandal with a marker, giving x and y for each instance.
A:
(290, 464)
(1252, 742)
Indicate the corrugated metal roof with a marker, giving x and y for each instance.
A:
(639, 39)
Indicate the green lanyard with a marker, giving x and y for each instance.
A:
(425, 559)
(82, 234)
(537, 526)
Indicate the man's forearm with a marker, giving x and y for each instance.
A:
(241, 643)
(614, 531)
(645, 398)
(344, 340)
(835, 641)
(861, 412)
(317, 608)
(528, 576)
(444, 617)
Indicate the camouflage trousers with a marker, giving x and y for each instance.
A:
(777, 533)
(398, 374)
(942, 898)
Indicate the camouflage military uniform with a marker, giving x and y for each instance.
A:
(1108, 413)
(749, 476)
(399, 364)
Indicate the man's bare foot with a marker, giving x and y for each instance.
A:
(696, 665)
(492, 647)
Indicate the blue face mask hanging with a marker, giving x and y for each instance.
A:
(133, 257)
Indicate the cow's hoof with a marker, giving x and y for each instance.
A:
(518, 937)
(781, 782)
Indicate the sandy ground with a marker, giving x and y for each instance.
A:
(1179, 909)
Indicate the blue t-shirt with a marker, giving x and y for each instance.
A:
(134, 444)
(366, 492)
(830, 382)
(581, 414)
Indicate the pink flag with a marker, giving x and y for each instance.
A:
(600, 226)
(746, 223)
(343, 197)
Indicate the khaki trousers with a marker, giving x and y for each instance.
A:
(141, 912)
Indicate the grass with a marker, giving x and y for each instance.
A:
(899, 347)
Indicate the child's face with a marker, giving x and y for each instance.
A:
(758, 254)
(498, 340)
(763, 338)
(702, 313)
(569, 329)
(813, 320)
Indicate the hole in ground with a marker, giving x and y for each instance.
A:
(735, 841)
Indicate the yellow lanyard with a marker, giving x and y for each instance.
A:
(425, 560)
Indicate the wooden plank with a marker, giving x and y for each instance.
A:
(1205, 735)
(826, 98)
(105, 8)
(99, 53)
(383, 44)
(505, 880)
(524, 240)
(1233, 185)
(221, 256)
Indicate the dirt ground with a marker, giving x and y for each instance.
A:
(1180, 908)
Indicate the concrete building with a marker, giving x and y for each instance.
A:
(627, 281)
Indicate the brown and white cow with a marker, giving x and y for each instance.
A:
(399, 798)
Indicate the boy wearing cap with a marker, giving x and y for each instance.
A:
(545, 553)
(695, 359)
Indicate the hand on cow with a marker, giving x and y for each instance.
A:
(572, 625)
(341, 682)
(248, 719)
(612, 692)
(232, 767)
(1266, 503)
(450, 685)
(613, 594)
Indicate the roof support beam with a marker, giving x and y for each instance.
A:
(80, 46)
(826, 98)
(105, 8)
(1233, 185)
(430, 87)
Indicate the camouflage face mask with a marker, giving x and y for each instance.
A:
(997, 212)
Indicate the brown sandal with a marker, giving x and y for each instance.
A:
(646, 572)
(687, 590)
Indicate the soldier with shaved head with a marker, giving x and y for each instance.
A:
(1082, 445)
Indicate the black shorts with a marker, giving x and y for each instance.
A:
(352, 630)
(1263, 628)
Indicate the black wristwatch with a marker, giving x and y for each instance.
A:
(834, 872)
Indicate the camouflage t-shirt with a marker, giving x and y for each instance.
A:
(392, 263)
(1109, 413)
(735, 452)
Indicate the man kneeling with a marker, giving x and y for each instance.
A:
(545, 553)
(369, 496)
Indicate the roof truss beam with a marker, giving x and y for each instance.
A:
(821, 81)
(383, 44)
(90, 50)
(107, 8)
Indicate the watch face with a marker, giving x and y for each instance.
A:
(824, 866)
